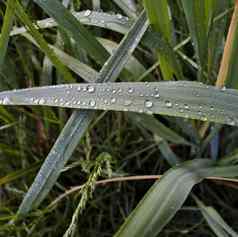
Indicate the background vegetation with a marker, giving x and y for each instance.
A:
(93, 168)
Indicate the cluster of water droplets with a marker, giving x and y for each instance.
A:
(101, 18)
(146, 98)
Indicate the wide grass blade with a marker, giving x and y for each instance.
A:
(183, 99)
(166, 197)
(79, 121)
(6, 29)
(115, 22)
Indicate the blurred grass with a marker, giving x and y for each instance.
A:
(137, 146)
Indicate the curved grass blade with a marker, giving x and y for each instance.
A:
(78, 122)
(71, 25)
(215, 221)
(115, 22)
(6, 28)
(183, 99)
(166, 197)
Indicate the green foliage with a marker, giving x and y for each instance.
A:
(169, 116)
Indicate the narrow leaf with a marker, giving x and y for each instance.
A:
(70, 23)
(6, 28)
(41, 41)
(183, 99)
(229, 65)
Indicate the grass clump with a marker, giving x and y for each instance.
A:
(75, 160)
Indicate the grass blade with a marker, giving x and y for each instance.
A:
(78, 123)
(229, 65)
(6, 29)
(166, 197)
(105, 20)
(41, 41)
(158, 13)
(215, 221)
(198, 22)
(168, 98)
(67, 21)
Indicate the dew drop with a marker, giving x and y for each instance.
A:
(90, 89)
(119, 16)
(157, 95)
(148, 104)
(113, 100)
(87, 13)
(92, 103)
(130, 90)
(186, 106)
(168, 104)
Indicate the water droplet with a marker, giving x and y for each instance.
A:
(168, 104)
(130, 90)
(157, 95)
(119, 16)
(148, 104)
(92, 103)
(90, 89)
(87, 13)
(186, 106)
(113, 100)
